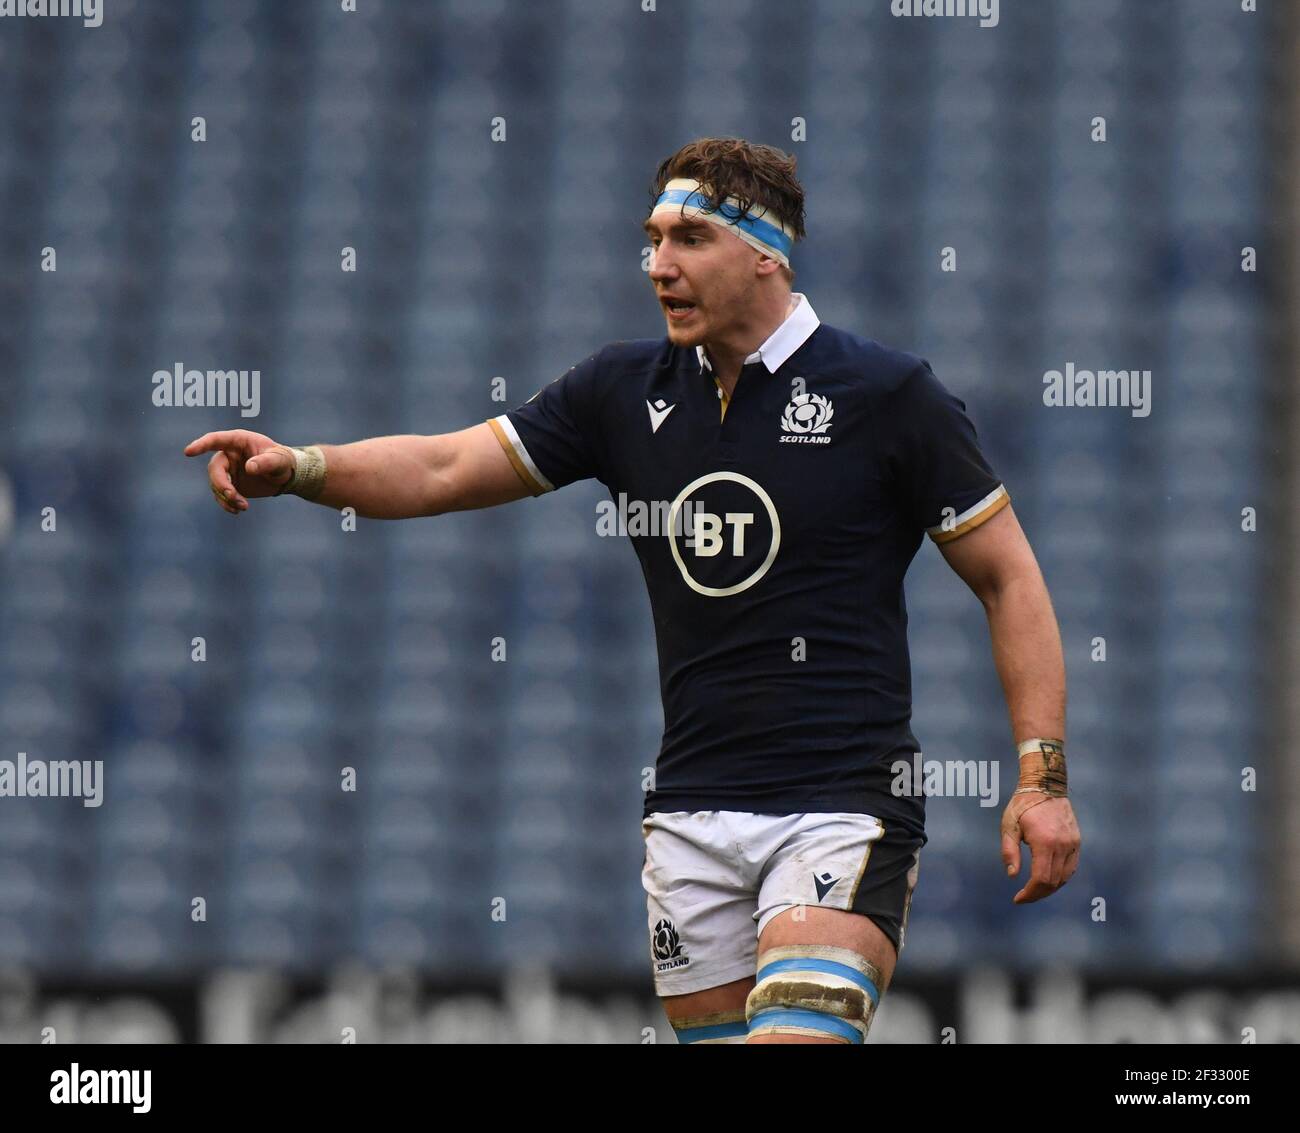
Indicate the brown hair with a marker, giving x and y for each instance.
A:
(732, 167)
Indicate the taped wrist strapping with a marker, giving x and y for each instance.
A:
(1042, 768)
(308, 476)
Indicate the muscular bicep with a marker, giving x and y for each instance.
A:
(992, 554)
(474, 471)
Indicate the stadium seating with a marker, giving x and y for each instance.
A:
(495, 816)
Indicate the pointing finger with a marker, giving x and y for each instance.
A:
(228, 438)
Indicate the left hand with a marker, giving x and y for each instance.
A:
(1046, 824)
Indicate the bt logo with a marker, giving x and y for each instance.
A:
(706, 538)
(723, 563)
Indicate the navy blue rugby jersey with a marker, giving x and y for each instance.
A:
(774, 531)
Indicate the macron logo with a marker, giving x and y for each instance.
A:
(825, 883)
(658, 413)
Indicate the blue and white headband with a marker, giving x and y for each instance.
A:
(760, 228)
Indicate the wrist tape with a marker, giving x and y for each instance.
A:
(1042, 768)
(308, 477)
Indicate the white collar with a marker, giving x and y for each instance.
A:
(784, 341)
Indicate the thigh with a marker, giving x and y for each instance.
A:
(701, 910)
(709, 1015)
(832, 928)
(838, 893)
(847, 863)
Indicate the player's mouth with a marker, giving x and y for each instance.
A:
(678, 309)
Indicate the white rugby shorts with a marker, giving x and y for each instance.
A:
(714, 879)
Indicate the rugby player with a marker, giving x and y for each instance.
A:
(779, 860)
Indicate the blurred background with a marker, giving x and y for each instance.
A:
(488, 163)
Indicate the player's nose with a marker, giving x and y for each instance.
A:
(661, 267)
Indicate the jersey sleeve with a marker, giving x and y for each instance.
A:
(552, 438)
(946, 486)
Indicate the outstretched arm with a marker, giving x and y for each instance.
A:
(396, 477)
(997, 563)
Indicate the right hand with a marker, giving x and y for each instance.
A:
(244, 466)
